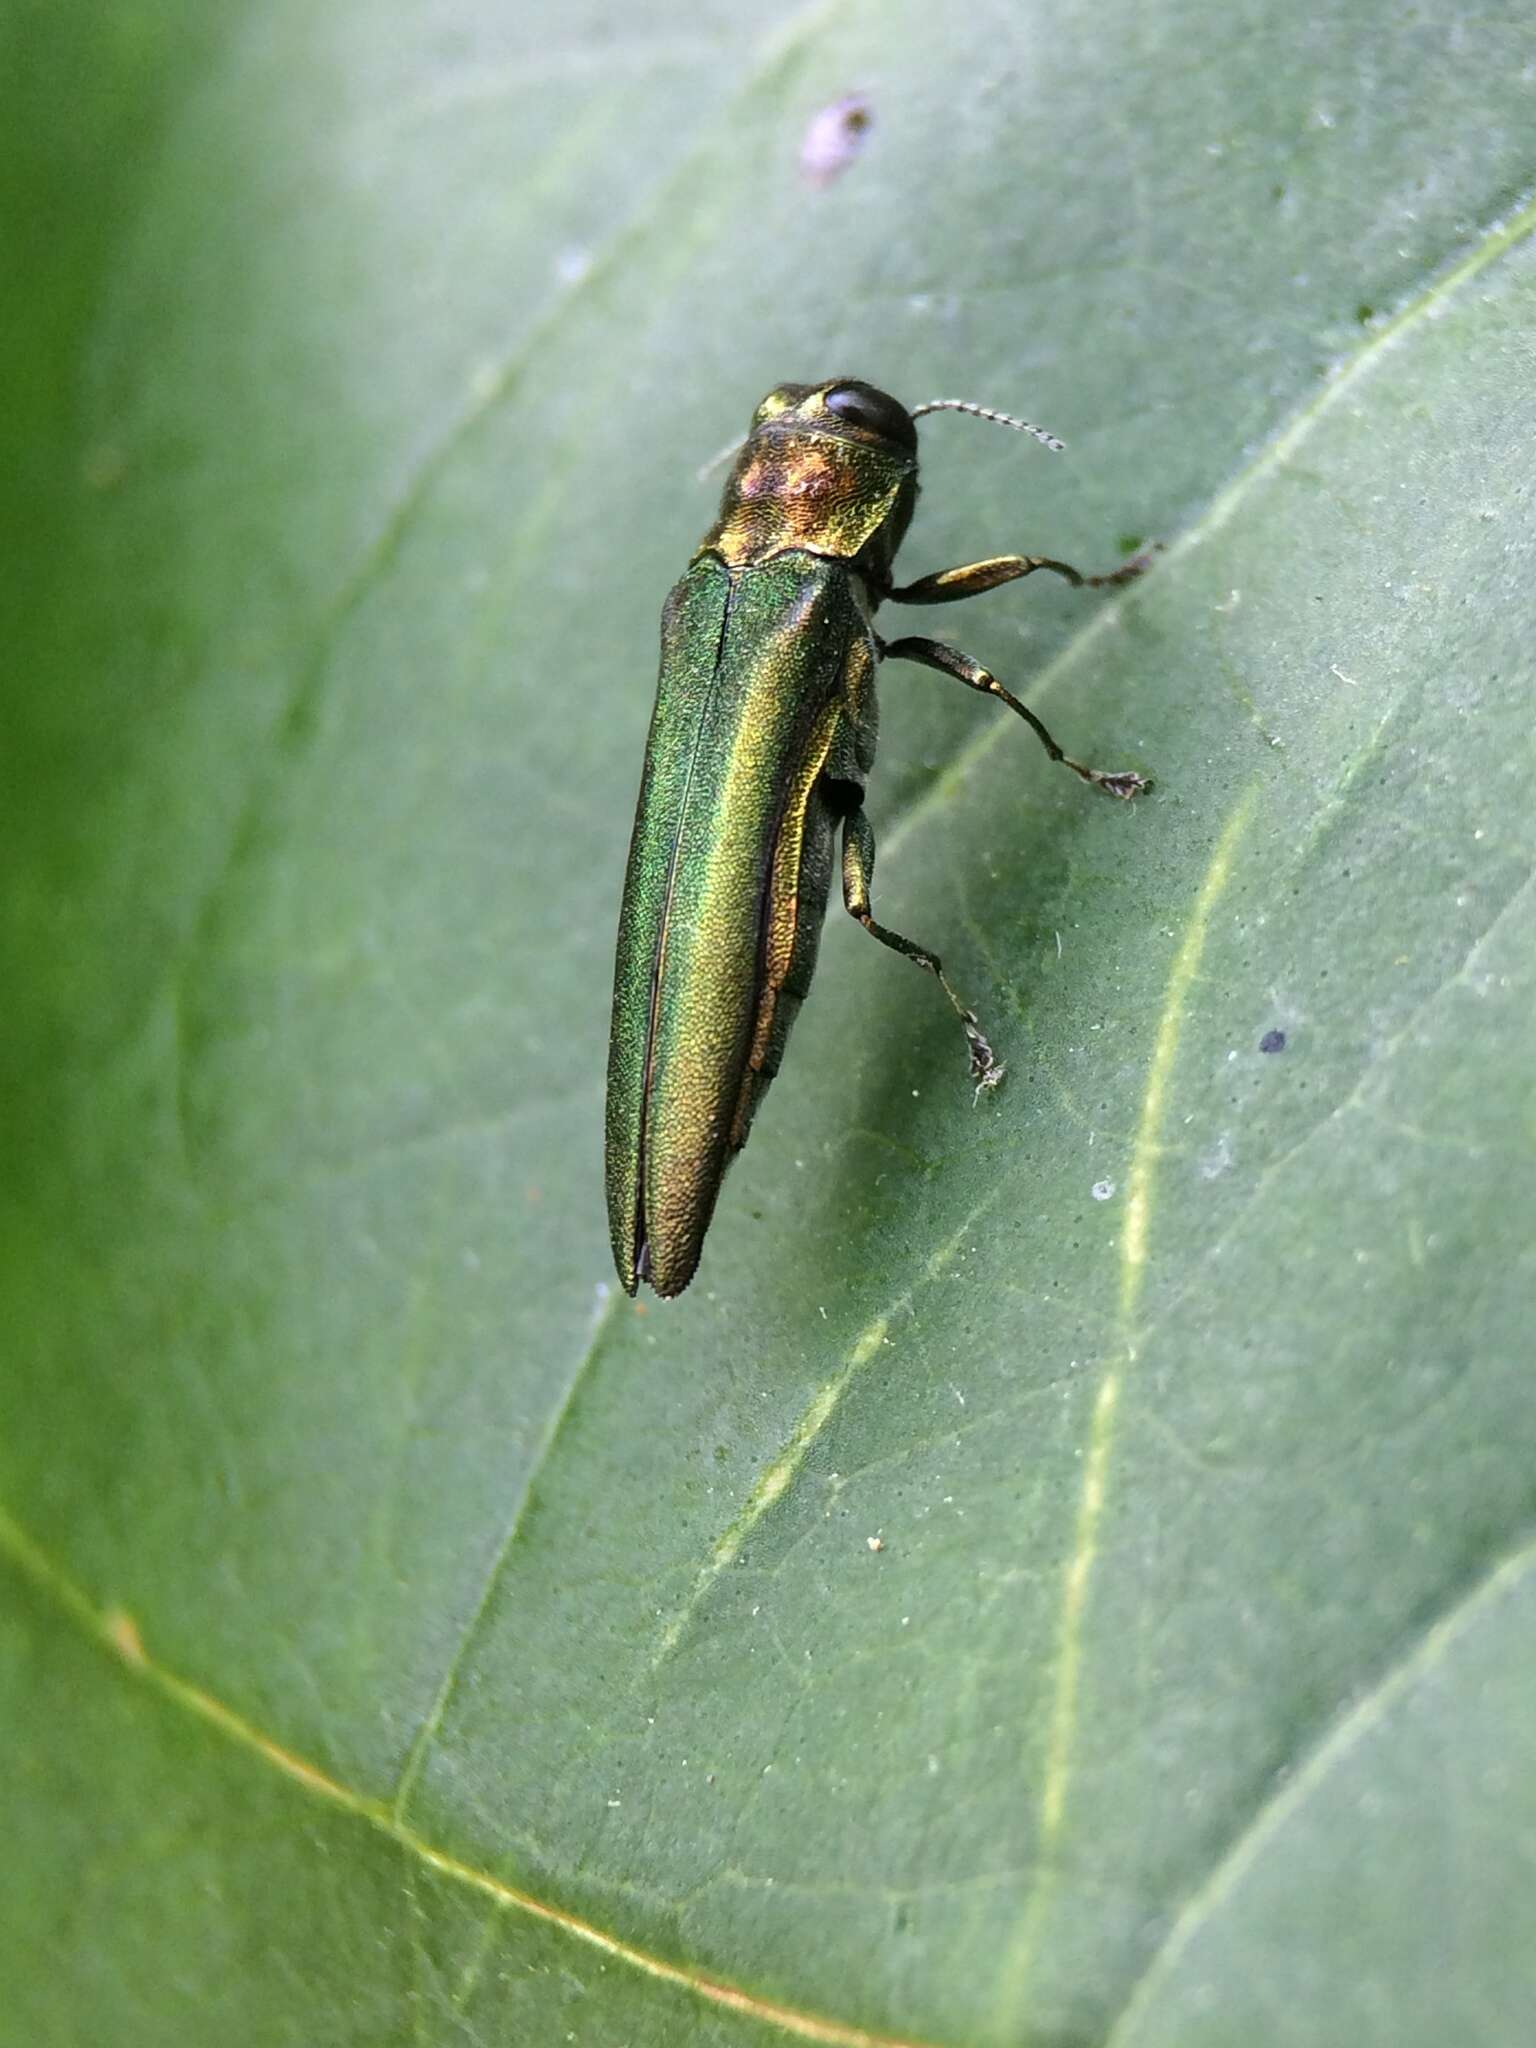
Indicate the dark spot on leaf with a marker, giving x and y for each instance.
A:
(1365, 314)
(1272, 1041)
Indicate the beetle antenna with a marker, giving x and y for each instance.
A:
(985, 412)
(724, 455)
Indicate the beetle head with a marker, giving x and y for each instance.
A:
(827, 469)
(845, 408)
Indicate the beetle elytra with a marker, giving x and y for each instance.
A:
(761, 742)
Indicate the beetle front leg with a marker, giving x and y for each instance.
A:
(950, 661)
(972, 578)
(858, 872)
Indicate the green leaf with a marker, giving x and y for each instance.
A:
(408, 1639)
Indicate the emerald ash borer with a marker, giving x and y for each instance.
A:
(761, 742)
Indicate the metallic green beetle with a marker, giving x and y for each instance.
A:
(760, 743)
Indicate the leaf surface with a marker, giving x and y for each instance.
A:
(405, 1637)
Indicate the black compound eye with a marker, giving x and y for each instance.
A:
(876, 411)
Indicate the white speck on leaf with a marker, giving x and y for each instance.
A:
(1216, 1159)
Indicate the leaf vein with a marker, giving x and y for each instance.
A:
(1270, 459)
(114, 1633)
(1424, 1649)
(1057, 1771)
(779, 1474)
(1355, 1099)
(427, 1733)
(383, 549)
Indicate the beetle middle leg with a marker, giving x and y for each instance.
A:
(950, 661)
(858, 872)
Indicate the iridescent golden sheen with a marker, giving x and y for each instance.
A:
(783, 917)
(809, 478)
(803, 490)
(760, 743)
(733, 827)
(764, 713)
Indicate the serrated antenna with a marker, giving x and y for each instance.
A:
(985, 412)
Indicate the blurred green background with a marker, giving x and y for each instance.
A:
(402, 1637)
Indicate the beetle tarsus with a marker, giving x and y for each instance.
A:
(987, 1070)
(1127, 572)
(1124, 783)
(990, 1080)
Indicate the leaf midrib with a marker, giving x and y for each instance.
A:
(117, 1633)
(114, 1632)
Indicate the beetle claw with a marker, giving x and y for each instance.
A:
(987, 1081)
(986, 1068)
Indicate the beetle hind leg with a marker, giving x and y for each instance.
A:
(858, 873)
